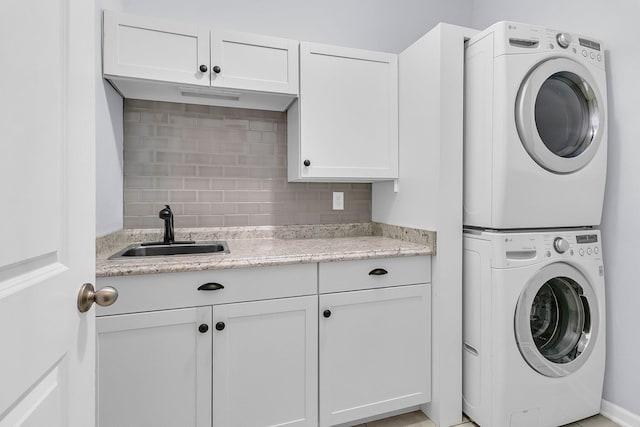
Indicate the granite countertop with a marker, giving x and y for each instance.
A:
(266, 246)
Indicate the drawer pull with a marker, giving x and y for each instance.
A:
(378, 272)
(212, 286)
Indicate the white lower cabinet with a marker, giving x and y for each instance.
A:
(265, 363)
(374, 352)
(298, 345)
(154, 369)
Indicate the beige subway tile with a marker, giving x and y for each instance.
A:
(258, 220)
(183, 170)
(197, 158)
(304, 196)
(170, 131)
(131, 196)
(206, 122)
(209, 170)
(236, 220)
(197, 208)
(269, 137)
(139, 209)
(210, 196)
(228, 146)
(236, 196)
(261, 126)
(283, 219)
(223, 184)
(307, 218)
(145, 169)
(196, 183)
(137, 103)
(224, 208)
(263, 173)
(209, 146)
(131, 222)
(154, 117)
(150, 222)
(361, 187)
(138, 182)
(211, 221)
(236, 172)
(183, 144)
(248, 184)
(358, 195)
(168, 106)
(131, 116)
(186, 221)
(236, 123)
(261, 149)
(234, 136)
(257, 160)
(138, 156)
(223, 159)
(275, 184)
(182, 196)
(182, 120)
(172, 183)
(339, 187)
(153, 195)
(198, 133)
(138, 129)
(284, 196)
(169, 157)
(248, 208)
(254, 137)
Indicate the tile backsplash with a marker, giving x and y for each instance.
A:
(221, 167)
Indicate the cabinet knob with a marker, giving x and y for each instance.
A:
(203, 328)
(326, 313)
(378, 272)
(307, 163)
(212, 286)
(220, 326)
(216, 69)
(203, 68)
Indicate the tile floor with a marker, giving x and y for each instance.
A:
(418, 419)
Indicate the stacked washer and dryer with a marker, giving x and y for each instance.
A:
(533, 285)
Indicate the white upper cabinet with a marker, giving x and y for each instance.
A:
(253, 62)
(163, 60)
(344, 127)
(155, 49)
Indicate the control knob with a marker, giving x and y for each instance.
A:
(560, 245)
(564, 40)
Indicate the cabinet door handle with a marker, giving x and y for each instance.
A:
(326, 313)
(212, 286)
(307, 162)
(220, 326)
(203, 328)
(216, 69)
(203, 68)
(378, 272)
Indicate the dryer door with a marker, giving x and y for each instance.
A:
(560, 115)
(556, 320)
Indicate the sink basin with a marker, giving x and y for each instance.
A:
(191, 248)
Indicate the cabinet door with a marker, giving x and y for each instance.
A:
(154, 49)
(265, 363)
(348, 114)
(374, 352)
(254, 62)
(154, 369)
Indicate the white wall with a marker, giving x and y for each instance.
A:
(615, 23)
(383, 25)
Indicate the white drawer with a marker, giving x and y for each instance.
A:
(175, 290)
(373, 273)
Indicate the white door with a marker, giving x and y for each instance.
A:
(47, 181)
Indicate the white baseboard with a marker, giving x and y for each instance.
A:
(619, 415)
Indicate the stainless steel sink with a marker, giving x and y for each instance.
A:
(186, 248)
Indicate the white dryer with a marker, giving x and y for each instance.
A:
(535, 148)
(533, 327)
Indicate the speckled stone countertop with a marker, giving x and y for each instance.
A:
(266, 246)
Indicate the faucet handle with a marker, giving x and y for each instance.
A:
(165, 213)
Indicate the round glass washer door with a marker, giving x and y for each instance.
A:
(556, 320)
(560, 115)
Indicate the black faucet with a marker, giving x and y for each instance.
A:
(167, 216)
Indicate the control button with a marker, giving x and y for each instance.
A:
(584, 53)
(571, 252)
(581, 252)
(599, 57)
(574, 50)
(589, 251)
(564, 40)
(551, 46)
(560, 245)
(593, 55)
(596, 250)
(548, 254)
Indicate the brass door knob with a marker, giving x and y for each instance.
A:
(88, 295)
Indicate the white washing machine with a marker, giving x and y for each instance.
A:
(533, 327)
(535, 148)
